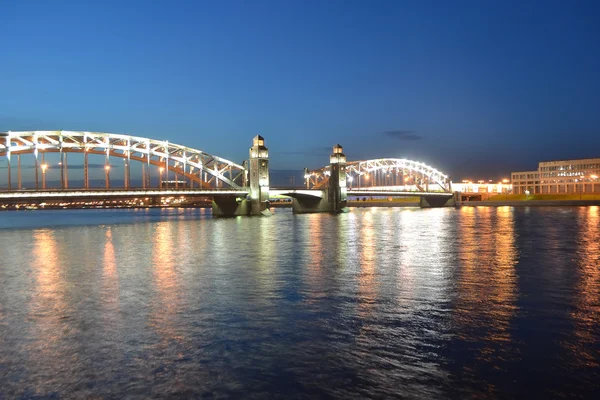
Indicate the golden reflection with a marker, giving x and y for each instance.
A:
(110, 263)
(166, 282)
(488, 282)
(110, 276)
(316, 251)
(366, 277)
(423, 244)
(49, 310)
(348, 242)
(407, 255)
(266, 280)
(587, 313)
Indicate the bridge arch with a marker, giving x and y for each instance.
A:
(381, 171)
(182, 160)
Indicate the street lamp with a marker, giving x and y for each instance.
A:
(44, 168)
(107, 171)
(160, 170)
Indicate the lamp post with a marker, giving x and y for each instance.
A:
(44, 168)
(107, 177)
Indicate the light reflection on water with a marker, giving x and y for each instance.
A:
(471, 302)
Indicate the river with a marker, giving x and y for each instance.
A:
(376, 303)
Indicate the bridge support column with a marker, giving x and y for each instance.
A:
(257, 202)
(66, 171)
(37, 180)
(9, 174)
(230, 207)
(438, 201)
(335, 196)
(86, 177)
(19, 181)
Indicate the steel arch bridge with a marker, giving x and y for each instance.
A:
(385, 173)
(208, 170)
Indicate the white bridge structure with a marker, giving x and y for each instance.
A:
(236, 189)
(386, 174)
(196, 166)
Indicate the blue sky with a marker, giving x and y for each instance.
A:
(475, 88)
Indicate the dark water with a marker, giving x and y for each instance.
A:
(376, 303)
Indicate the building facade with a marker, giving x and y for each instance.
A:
(559, 177)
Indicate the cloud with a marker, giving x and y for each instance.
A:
(407, 135)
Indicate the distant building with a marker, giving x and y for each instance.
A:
(480, 190)
(559, 177)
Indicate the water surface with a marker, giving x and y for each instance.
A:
(440, 303)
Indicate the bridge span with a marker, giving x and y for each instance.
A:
(235, 189)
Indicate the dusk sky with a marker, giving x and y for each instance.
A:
(474, 88)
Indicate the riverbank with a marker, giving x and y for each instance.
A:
(530, 203)
(520, 200)
(388, 204)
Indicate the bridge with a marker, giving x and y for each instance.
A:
(180, 171)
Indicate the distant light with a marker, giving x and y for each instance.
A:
(107, 167)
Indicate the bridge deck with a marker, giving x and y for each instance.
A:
(100, 193)
(92, 193)
(366, 192)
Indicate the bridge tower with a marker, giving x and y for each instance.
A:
(334, 197)
(256, 180)
(259, 177)
(337, 195)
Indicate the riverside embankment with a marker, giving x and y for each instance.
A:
(518, 200)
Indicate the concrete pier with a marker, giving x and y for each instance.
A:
(335, 196)
(257, 201)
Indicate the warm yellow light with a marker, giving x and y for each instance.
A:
(505, 180)
(161, 169)
(594, 176)
(44, 167)
(107, 167)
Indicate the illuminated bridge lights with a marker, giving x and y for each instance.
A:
(369, 171)
(186, 161)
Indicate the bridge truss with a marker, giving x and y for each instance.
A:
(207, 170)
(386, 172)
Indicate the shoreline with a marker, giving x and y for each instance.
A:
(530, 203)
(352, 204)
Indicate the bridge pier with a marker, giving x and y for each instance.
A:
(257, 202)
(437, 201)
(335, 196)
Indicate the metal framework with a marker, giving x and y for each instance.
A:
(208, 170)
(386, 172)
